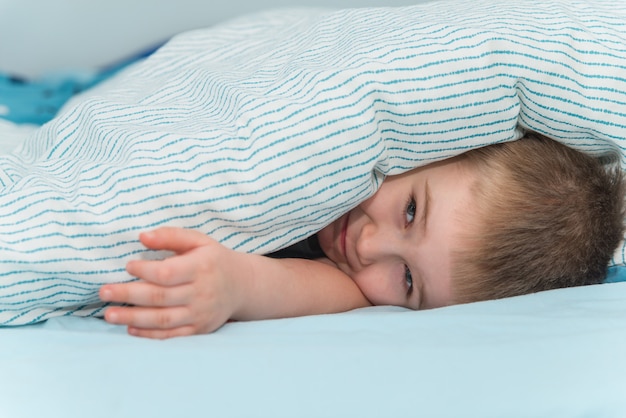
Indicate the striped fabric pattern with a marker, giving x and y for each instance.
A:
(262, 130)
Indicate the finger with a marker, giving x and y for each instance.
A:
(149, 318)
(173, 271)
(160, 334)
(178, 240)
(146, 294)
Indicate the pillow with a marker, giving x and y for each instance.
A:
(261, 131)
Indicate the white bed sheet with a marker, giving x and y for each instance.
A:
(11, 135)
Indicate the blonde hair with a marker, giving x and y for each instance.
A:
(546, 217)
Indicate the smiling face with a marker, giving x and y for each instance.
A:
(397, 246)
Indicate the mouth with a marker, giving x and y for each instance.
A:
(344, 232)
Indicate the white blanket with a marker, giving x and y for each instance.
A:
(261, 131)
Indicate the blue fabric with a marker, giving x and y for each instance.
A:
(616, 274)
(36, 101)
(556, 354)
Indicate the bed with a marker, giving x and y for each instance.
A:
(357, 94)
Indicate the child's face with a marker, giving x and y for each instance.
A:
(397, 245)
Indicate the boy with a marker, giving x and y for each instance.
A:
(501, 221)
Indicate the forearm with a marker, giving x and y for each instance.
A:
(278, 288)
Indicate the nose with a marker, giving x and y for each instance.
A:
(377, 243)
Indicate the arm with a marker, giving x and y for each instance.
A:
(205, 284)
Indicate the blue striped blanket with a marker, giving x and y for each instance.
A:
(262, 130)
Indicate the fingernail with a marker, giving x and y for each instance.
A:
(112, 317)
(106, 294)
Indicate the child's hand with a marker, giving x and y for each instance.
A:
(193, 292)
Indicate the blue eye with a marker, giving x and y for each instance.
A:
(408, 277)
(409, 212)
